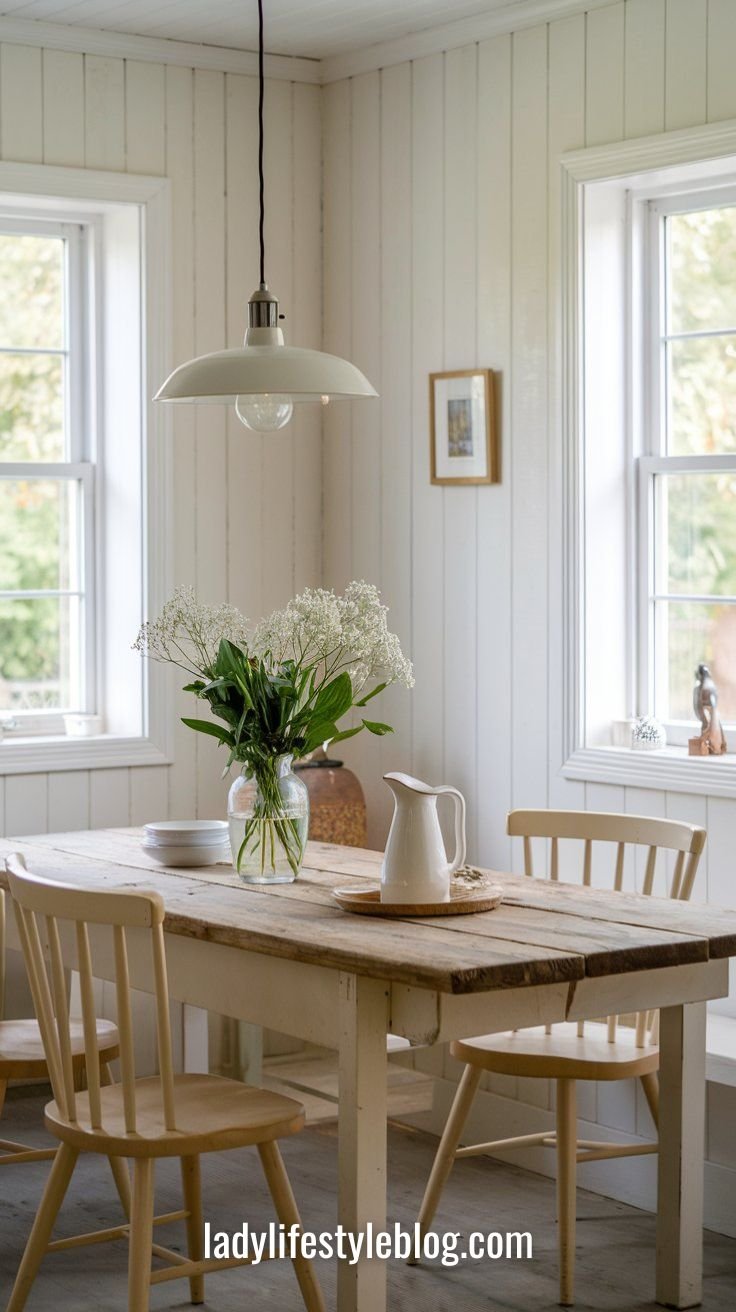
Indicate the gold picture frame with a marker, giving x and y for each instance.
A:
(463, 434)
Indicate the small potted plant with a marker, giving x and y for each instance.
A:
(277, 692)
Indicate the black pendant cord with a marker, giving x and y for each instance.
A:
(261, 181)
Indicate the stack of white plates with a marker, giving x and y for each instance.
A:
(187, 842)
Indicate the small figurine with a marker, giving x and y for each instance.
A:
(711, 741)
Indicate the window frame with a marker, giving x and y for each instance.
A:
(597, 184)
(131, 216)
(653, 458)
(81, 314)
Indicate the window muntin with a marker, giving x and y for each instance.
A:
(47, 478)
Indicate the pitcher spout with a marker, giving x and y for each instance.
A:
(399, 783)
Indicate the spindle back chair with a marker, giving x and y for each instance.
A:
(613, 1049)
(22, 1057)
(620, 831)
(169, 1115)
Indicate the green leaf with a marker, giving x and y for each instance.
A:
(334, 699)
(374, 726)
(346, 733)
(214, 730)
(197, 687)
(378, 688)
(318, 734)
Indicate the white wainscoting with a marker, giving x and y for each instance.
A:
(442, 240)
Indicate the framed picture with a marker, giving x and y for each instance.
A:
(463, 441)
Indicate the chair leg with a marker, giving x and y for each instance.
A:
(141, 1236)
(3, 1088)
(118, 1165)
(120, 1175)
(192, 1188)
(650, 1085)
(445, 1157)
(288, 1213)
(567, 1147)
(53, 1196)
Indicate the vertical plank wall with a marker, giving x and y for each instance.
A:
(442, 201)
(198, 128)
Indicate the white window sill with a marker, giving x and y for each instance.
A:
(44, 754)
(670, 769)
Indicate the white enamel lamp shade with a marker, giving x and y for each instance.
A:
(267, 369)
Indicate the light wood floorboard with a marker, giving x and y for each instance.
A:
(615, 1256)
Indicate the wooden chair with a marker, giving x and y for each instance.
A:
(164, 1116)
(617, 1048)
(22, 1058)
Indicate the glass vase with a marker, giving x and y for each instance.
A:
(268, 815)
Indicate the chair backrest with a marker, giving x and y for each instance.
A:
(621, 831)
(46, 909)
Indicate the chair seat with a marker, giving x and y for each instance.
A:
(212, 1113)
(21, 1048)
(563, 1054)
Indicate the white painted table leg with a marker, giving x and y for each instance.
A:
(250, 1052)
(363, 1017)
(195, 1040)
(681, 1135)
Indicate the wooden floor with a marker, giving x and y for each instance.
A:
(615, 1242)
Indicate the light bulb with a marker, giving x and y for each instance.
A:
(264, 414)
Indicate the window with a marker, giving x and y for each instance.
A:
(687, 477)
(648, 448)
(85, 493)
(47, 475)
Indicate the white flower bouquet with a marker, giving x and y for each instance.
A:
(280, 690)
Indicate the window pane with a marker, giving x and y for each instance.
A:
(701, 249)
(39, 654)
(696, 632)
(700, 521)
(39, 534)
(31, 291)
(702, 393)
(32, 407)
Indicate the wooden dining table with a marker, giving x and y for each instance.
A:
(287, 957)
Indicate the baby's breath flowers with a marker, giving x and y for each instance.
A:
(332, 633)
(188, 633)
(282, 688)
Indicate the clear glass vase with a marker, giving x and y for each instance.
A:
(268, 815)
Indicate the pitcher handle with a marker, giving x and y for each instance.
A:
(460, 841)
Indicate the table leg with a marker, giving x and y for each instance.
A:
(195, 1040)
(681, 1135)
(363, 1025)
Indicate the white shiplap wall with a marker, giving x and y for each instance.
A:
(441, 250)
(197, 127)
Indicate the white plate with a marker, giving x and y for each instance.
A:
(188, 856)
(187, 832)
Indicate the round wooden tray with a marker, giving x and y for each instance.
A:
(463, 901)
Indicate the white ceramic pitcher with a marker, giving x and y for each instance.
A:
(415, 866)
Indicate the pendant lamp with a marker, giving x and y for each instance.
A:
(264, 378)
